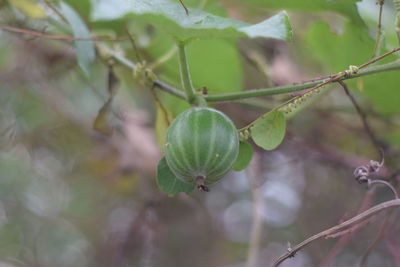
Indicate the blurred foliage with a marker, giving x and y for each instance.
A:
(73, 196)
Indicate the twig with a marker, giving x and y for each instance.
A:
(184, 7)
(311, 85)
(363, 117)
(60, 37)
(266, 91)
(133, 43)
(55, 10)
(351, 229)
(347, 74)
(378, 237)
(344, 239)
(256, 227)
(371, 182)
(384, 225)
(379, 29)
(345, 225)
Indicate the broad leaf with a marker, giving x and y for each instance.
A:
(244, 157)
(168, 183)
(85, 50)
(171, 17)
(269, 131)
(344, 7)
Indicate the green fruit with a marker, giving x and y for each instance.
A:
(201, 146)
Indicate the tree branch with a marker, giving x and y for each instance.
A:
(379, 34)
(313, 84)
(378, 238)
(60, 37)
(274, 90)
(338, 228)
(378, 144)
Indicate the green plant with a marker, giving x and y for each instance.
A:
(186, 60)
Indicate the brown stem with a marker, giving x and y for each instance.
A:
(340, 227)
(184, 7)
(60, 37)
(200, 184)
(379, 29)
(363, 117)
(378, 237)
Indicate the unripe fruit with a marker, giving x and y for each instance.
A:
(201, 146)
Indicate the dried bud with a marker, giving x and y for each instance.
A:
(361, 171)
(375, 166)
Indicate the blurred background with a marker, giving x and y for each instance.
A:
(77, 175)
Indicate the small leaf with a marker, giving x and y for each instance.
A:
(29, 8)
(268, 132)
(168, 183)
(244, 157)
(171, 17)
(85, 50)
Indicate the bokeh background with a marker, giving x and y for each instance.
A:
(72, 195)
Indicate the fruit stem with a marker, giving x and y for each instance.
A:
(186, 80)
(200, 184)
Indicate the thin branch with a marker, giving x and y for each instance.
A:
(268, 91)
(351, 229)
(378, 58)
(344, 239)
(184, 7)
(257, 224)
(60, 37)
(133, 43)
(237, 95)
(311, 85)
(379, 29)
(378, 237)
(371, 182)
(363, 117)
(338, 228)
(167, 88)
(55, 10)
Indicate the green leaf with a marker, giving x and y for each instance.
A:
(268, 131)
(171, 17)
(344, 7)
(244, 157)
(168, 183)
(85, 50)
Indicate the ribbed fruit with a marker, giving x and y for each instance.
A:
(201, 146)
